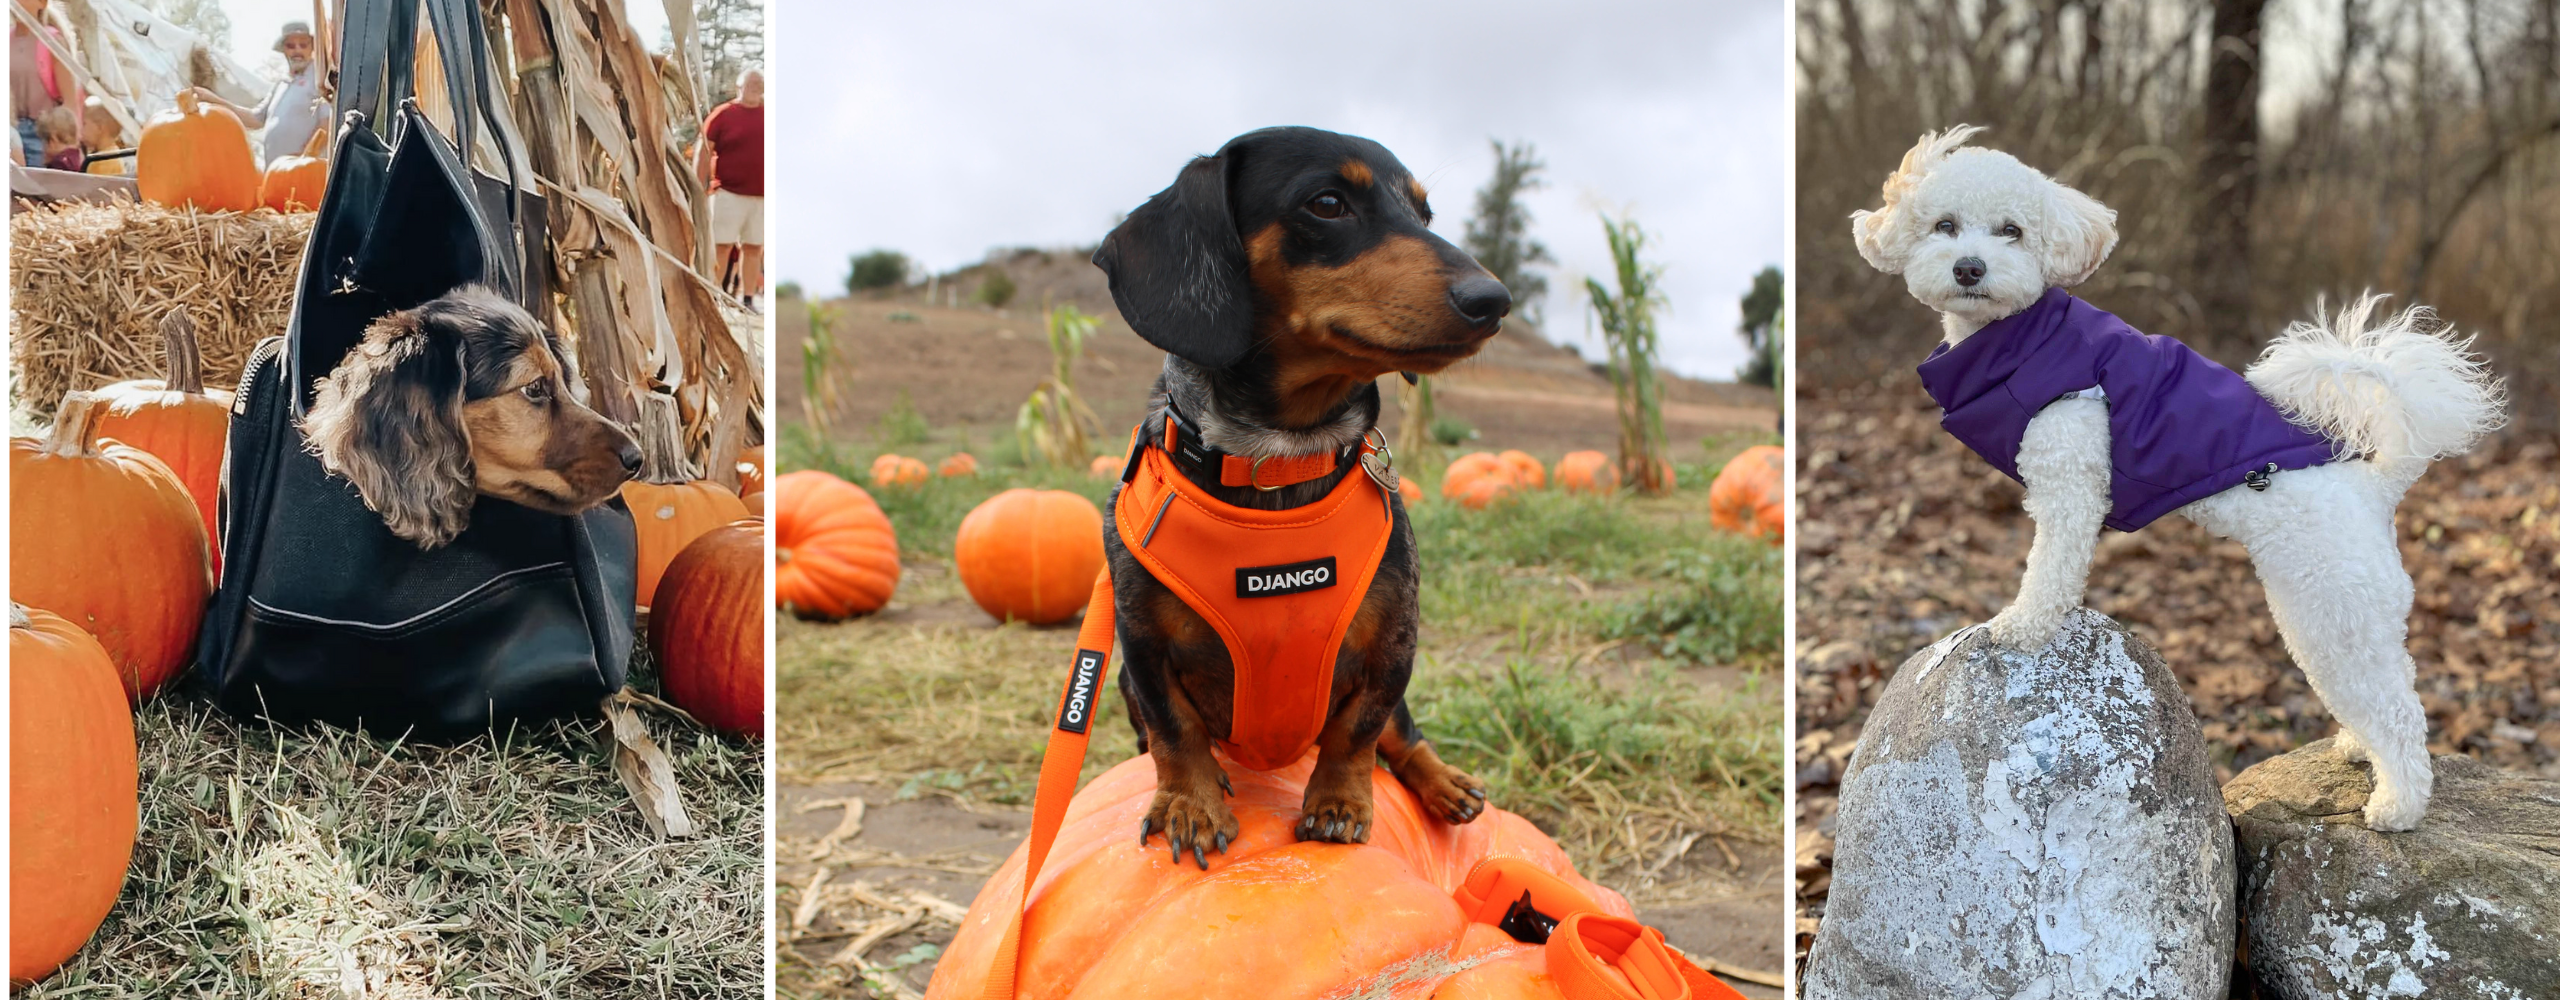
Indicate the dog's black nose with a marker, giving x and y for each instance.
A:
(1480, 299)
(1969, 271)
(629, 452)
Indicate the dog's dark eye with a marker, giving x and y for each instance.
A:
(1947, 226)
(2010, 230)
(1328, 206)
(538, 392)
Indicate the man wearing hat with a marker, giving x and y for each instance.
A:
(294, 109)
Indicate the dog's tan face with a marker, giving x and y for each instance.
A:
(460, 397)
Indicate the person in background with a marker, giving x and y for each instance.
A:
(36, 84)
(98, 133)
(730, 158)
(294, 109)
(61, 130)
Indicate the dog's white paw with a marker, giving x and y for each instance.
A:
(2351, 747)
(2394, 810)
(2024, 630)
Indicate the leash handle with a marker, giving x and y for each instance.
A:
(1060, 765)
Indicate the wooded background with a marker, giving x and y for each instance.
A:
(2424, 161)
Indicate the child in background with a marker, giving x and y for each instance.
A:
(61, 134)
(101, 133)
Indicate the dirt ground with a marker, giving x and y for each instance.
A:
(1717, 899)
(1904, 536)
(1520, 392)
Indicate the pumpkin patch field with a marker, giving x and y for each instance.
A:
(1604, 661)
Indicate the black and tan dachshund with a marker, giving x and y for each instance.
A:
(1283, 277)
(461, 396)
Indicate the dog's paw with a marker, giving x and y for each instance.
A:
(2393, 810)
(1338, 816)
(1450, 794)
(2024, 630)
(2351, 747)
(1201, 824)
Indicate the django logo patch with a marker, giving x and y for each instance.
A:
(1276, 581)
(1077, 713)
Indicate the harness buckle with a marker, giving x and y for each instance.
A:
(2258, 479)
(1253, 476)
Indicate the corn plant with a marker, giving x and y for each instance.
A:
(819, 392)
(1626, 324)
(1054, 423)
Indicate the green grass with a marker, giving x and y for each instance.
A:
(290, 863)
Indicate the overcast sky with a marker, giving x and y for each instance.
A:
(944, 130)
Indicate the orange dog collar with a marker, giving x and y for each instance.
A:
(1279, 586)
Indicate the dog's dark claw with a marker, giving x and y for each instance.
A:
(1222, 843)
(1200, 853)
(1360, 834)
(1228, 786)
(1146, 828)
(1477, 792)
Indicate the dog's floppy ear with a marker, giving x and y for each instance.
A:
(389, 419)
(1882, 233)
(1177, 268)
(2080, 233)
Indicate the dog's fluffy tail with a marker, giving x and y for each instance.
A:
(2403, 390)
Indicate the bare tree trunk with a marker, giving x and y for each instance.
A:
(2228, 169)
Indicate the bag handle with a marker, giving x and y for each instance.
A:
(380, 57)
(1060, 765)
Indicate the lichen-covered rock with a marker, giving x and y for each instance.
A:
(2465, 907)
(2029, 827)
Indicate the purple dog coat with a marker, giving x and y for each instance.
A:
(2181, 428)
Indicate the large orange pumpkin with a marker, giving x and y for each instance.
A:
(72, 779)
(1108, 466)
(670, 509)
(294, 183)
(1272, 917)
(834, 553)
(1750, 495)
(1525, 470)
(1482, 491)
(898, 470)
(105, 536)
(1466, 469)
(1030, 555)
(177, 421)
(751, 471)
(706, 627)
(1587, 472)
(196, 154)
(960, 463)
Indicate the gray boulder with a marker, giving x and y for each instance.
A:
(2029, 827)
(2465, 907)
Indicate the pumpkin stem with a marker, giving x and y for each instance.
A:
(185, 355)
(662, 457)
(318, 147)
(69, 437)
(187, 102)
(18, 616)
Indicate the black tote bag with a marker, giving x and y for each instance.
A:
(322, 614)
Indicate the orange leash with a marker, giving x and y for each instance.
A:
(1060, 765)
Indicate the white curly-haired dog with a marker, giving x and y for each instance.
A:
(2303, 462)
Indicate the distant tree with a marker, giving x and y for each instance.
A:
(732, 38)
(1761, 307)
(877, 269)
(1498, 235)
(997, 289)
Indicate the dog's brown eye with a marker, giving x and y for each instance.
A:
(2011, 231)
(1328, 206)
(538, 392)
(1947, 226)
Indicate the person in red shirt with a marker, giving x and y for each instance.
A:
(730, 158)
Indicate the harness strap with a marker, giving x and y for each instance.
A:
(1192, 453)
(1060, 765)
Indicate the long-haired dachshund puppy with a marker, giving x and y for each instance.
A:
(461, 396)
(2303, 461)
(1283, 276)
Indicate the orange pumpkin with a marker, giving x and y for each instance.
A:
(959, 464)
(1108, 466)
(177, 421)
(294, 183)
(754, 503)
(196, 154)
(72, 780)
(1750, 495)
(1412, 491)
(1030, 554)
(105, 536)
(1587, 472)
(833, 550)
(898, 470)
(1482, 491)
(1525, 471)
(706, 627)
(670, 509)
(751, 472)
(1282, 918)
(1466, 469)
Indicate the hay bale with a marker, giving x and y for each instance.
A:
(92, 281)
